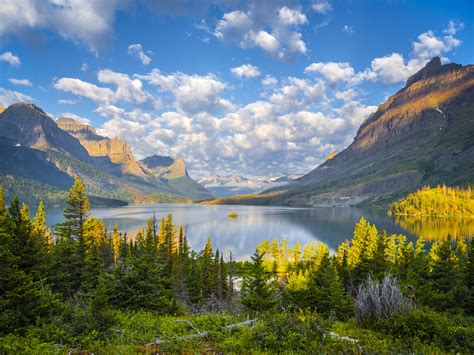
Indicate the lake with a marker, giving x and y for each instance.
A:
(253, 225)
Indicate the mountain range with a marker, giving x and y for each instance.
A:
(230, 185)
(422, 135)
(40, 156)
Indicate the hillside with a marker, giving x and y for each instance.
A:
(37, 151)
(174, 172)
(422, 135)
(441, 201)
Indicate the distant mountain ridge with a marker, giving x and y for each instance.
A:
(229, 185)
(37, 150)
(422, 135)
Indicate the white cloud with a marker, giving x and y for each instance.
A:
(130, 90)
(137, 51)
(266, 25)
(322, 6)
(454, 27)
(8, 97)
(347, 29)
(390, 69)
(10, 58)
(246, 71)
(331, 71)
(127, 89)
(429, 46)
(82, 88)
(346, 95)
(67, 102)
(289, 16)
(85, 67)
(23, 82)
(191, 93)
(89, 22)
(269, 81)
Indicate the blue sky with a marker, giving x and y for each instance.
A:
(257, 88)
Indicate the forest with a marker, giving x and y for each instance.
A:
(440, 201)
(80, 288)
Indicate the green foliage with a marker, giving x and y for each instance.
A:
(258, 290)
(441, 201)
(104, 292)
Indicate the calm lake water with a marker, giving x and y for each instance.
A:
(253, 225)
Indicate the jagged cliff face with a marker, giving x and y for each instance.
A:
(27, 125)
(116, 150)
(422, 135)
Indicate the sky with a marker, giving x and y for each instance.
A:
(257, 88)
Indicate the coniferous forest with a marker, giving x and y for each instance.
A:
(80, 287)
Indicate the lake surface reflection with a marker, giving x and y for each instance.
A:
(253, 225)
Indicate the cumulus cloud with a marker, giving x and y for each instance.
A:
(82, 88)
(266, 25)
(289, 16)
(10, 58)
(322, 6)
(127, 89)
(8, 97)
(269, 81)
(137, 51)
(88, 22)
(192, 94)
(246, 71)
(23, 82)
(331, 71)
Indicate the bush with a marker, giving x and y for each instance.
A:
(430, 327)
(380, 300)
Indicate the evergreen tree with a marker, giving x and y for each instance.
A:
(75, 213)
(258, 291)
(449, 290)
(117, 244)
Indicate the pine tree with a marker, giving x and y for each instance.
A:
(117, 244)
(449, 290)
(258, 291)
(75, 213)
(40, 229)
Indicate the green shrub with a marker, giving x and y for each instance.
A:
(430, 327)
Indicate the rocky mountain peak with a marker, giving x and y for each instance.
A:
(433, 67)
(29, 126)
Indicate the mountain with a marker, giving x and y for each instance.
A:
(230, 185)
(173, 171)
(113, 154)
(39, 157)
(29, 126)
(422, 135)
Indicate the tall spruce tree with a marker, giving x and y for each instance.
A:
(258, 292)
